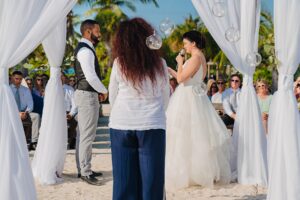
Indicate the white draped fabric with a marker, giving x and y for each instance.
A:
(49, 158)
(23, 25)
(284, 122)
(250, 143)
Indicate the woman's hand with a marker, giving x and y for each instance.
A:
(265, 116)
(179, 60)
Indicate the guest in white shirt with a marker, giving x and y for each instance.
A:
(138, 93)
(89, 89)
(218, 97)
(72, 81)
(24, 103)
(231, 100)
(71, 111)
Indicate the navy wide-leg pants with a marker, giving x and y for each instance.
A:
(138, 159)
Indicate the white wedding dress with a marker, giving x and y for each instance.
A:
(198, 142)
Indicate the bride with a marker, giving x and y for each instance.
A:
(197, 149)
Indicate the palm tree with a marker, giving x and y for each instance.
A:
(105, 10)
(266, 47)
(119, 2)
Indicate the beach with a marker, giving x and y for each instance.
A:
(74, 188)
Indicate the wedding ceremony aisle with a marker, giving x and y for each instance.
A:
(74, 189)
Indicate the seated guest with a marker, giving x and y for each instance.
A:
(212, 88)
(37, 112)
(38, 101)
(231, 100)
(297, 91)
(218, 97)
(173, 85)
(264, 100)
(72, 81)
(25, 106)
(45, 78)
(71, 111)
(39, 88)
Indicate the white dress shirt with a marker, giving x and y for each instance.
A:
(69, 100)
(217, 98)
(133, 110)
(87, 62)
(25, 97)
(228, 101)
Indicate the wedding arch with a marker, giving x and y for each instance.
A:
(250, 144)
(26, 24)
(23, 26)
(242, 16)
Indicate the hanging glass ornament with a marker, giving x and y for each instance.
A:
(232, 34)
(219, 9)
(166, 26)
(253, 59)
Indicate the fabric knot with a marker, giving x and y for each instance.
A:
(285, 82)
(247, 80)
(55, 72)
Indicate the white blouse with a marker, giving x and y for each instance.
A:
(137, 110)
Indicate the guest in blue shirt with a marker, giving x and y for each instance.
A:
(38, 101)
(24, 103)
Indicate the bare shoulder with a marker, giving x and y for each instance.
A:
(201, 57)
(196, 60)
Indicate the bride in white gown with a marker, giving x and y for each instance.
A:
(198, 143)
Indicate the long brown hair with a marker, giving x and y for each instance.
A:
(137, 61)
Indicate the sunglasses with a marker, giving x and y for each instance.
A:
(220, 83)
(235, 80)
(261, 86)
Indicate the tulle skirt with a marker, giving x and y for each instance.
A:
(198, 142)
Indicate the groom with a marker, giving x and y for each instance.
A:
(89, 90)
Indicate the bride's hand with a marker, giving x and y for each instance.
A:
(180, 59)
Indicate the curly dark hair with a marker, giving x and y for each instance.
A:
(137, 61)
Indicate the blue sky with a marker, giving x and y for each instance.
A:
(175, 10)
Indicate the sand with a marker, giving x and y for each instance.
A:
(74, 189)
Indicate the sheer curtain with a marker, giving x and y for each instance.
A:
(284, 121)
(23, 25)
(49, 158)
(250, 159)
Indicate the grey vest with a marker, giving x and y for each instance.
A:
(82, 83)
